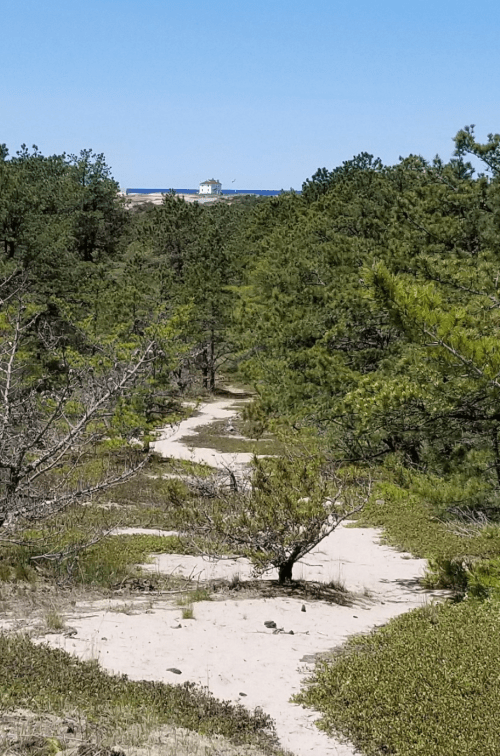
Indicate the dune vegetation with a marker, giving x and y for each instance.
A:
(362, 315)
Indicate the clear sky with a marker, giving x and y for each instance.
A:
(174, 92)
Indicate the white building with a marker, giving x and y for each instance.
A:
(210, 187)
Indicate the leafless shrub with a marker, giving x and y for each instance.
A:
(467, 522)
(52, 421)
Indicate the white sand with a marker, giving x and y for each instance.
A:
(170, 442)
(226, 647)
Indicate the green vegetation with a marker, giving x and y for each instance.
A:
(215, 436)
(198, 594)
(290, 504)
(459, 546)
(187, 612)
(365, 316)
(427, 683)
(69, 558)
(51, 680)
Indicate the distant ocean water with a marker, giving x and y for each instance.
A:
(261, 192)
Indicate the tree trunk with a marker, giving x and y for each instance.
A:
(205, 370)
(285, 572)
(212, 360)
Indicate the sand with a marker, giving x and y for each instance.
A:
(226, 646)
(170, 442)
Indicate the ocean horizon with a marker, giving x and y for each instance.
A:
(261, 192)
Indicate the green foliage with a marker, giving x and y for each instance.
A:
(479, 579)
(366, 313)
(489, 153)
(427, 683)
(65, 399)
(362, 167)
(46, 679)
(111, 560)
(215, 436)
(59, 218)
(162, 494)
(291, 503)
(414, 524)
(185, 254)
(370, 315)
(67, 556)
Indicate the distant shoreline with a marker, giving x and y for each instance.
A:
(225, 192)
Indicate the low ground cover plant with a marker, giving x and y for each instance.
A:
(413, 522)
(462, 546)
(427, 683)
(154, 486)
(52, 680)
(217, 436)
(105, 564)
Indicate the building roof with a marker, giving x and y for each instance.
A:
(211, 181)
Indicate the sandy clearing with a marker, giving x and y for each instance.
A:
(227, 647)
(350, 556)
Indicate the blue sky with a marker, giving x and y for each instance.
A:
(174, 92)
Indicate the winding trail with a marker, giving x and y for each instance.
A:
(170, 442)
(226, 646)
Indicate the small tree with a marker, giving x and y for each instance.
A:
(59, 406)
(287, 507)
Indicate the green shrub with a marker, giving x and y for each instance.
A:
(105, 563)
(411, 523)
(426, 684)
(448, 574)
(51, 680)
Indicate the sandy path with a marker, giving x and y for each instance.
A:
(170, 442)
(227, 646)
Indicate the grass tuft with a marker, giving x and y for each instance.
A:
(54, 621)
(188, 612)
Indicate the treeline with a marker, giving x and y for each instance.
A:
(364, 311)
(370, 317)
(106, 317)
(63, 226)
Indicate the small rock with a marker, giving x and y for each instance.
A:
(175, 627)
(270, 624)
(355, 616)
(174, 670)
(94, 750)
(290, 632)
(242, 694)
(303, 608)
